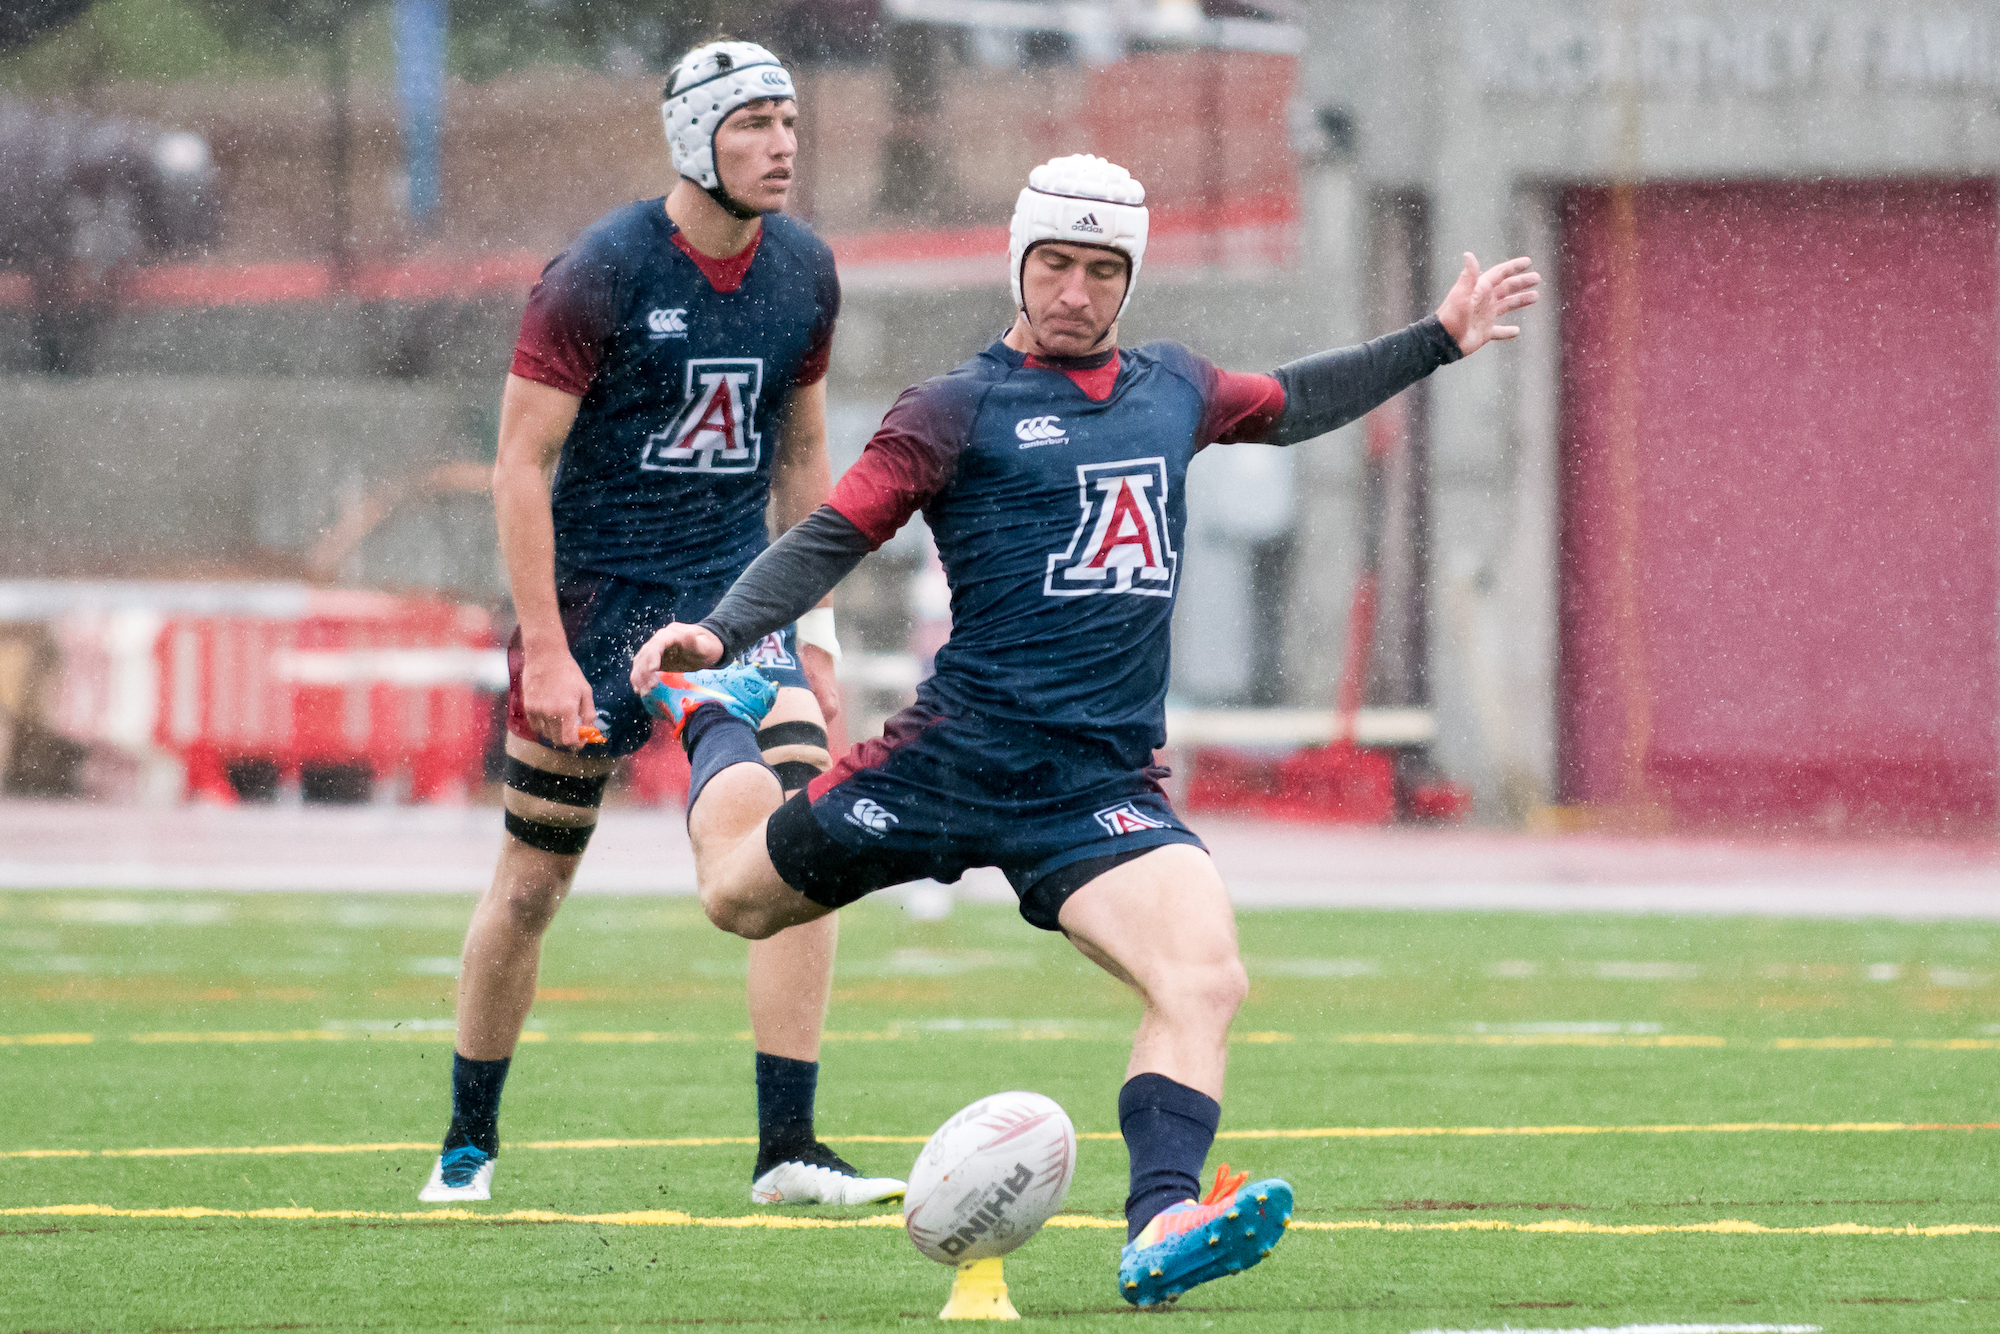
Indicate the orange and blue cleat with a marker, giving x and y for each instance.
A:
(1188, 1244)
(741, 690)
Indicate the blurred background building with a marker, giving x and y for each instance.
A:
(1713, 545)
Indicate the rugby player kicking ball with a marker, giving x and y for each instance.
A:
(667, 390)
(1051, 468)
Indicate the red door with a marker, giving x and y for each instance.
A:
(1780, 564)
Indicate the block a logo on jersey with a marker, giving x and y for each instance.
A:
(667, 323)
(770, 652)
(1125, 818)
(1121, 543)
(869, 815)
(717, 431)
(1032, 431)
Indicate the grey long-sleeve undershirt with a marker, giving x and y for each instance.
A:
(787, 580)
(1327, 390)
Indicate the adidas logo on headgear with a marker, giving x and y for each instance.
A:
(1076, 197)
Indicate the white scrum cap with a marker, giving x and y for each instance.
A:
(710, 82)
(1083, 200)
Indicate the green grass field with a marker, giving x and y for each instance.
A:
(231, 1023)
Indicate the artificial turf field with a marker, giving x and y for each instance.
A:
(1845, 1074)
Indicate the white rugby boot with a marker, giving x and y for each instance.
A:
(815, 1174)
(466, 1173)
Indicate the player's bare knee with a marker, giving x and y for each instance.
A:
(1205, 994)
(733, 909)
(530, 908)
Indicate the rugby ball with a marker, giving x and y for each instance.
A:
(989, 1178)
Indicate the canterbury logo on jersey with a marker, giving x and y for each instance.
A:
(1032, 431)
(1121, 543)
(667, 323)
(717, 431)
(1125, 818)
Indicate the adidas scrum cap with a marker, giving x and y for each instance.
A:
(1083, 200)
(710, 82)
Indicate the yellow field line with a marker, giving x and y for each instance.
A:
(781, 1222)
(1317, 1132)
(1532, 1039)
(1669, 1040)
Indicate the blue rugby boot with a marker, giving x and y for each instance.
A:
(463, 1173)
(738, 689)
(1188, 1244)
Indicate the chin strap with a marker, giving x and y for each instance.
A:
(734, 209)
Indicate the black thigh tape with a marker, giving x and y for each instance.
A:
(795, 774)
(565, 841)
(791, 734)
(563, 789)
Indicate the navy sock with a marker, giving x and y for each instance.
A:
(1168, 1129)
(715, 739)
(785, 1089)
(475, 1103)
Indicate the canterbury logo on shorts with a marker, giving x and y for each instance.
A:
(869, 815)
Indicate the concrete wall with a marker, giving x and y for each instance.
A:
(142, 476)
(1490, 107)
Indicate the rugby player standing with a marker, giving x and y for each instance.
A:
(1051, 468)
(667, 390)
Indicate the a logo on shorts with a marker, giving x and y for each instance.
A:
(671, 323)
(869, 815)
(717, 429)
(1126, 818)
(1121, 543)
(770, 652)
(1033, 431)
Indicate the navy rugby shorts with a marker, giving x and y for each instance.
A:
(937, 795)
(606, 620)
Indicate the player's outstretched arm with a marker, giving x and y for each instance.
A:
(1478, 301)
(1327, 390)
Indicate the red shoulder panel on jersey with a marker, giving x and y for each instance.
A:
(562, 331)
(910, 458)
(1242, 408)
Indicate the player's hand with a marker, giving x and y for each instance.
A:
(556, 696)
(820, 675)
(1477, 301)
(678, 648)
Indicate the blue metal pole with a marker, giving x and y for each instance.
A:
(420, 29)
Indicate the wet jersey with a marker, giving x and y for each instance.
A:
(1057, 497)
(685, 365)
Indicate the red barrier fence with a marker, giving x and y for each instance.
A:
(361, 684)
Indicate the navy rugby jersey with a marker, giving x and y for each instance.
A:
(684, 364)
(1057, 496)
